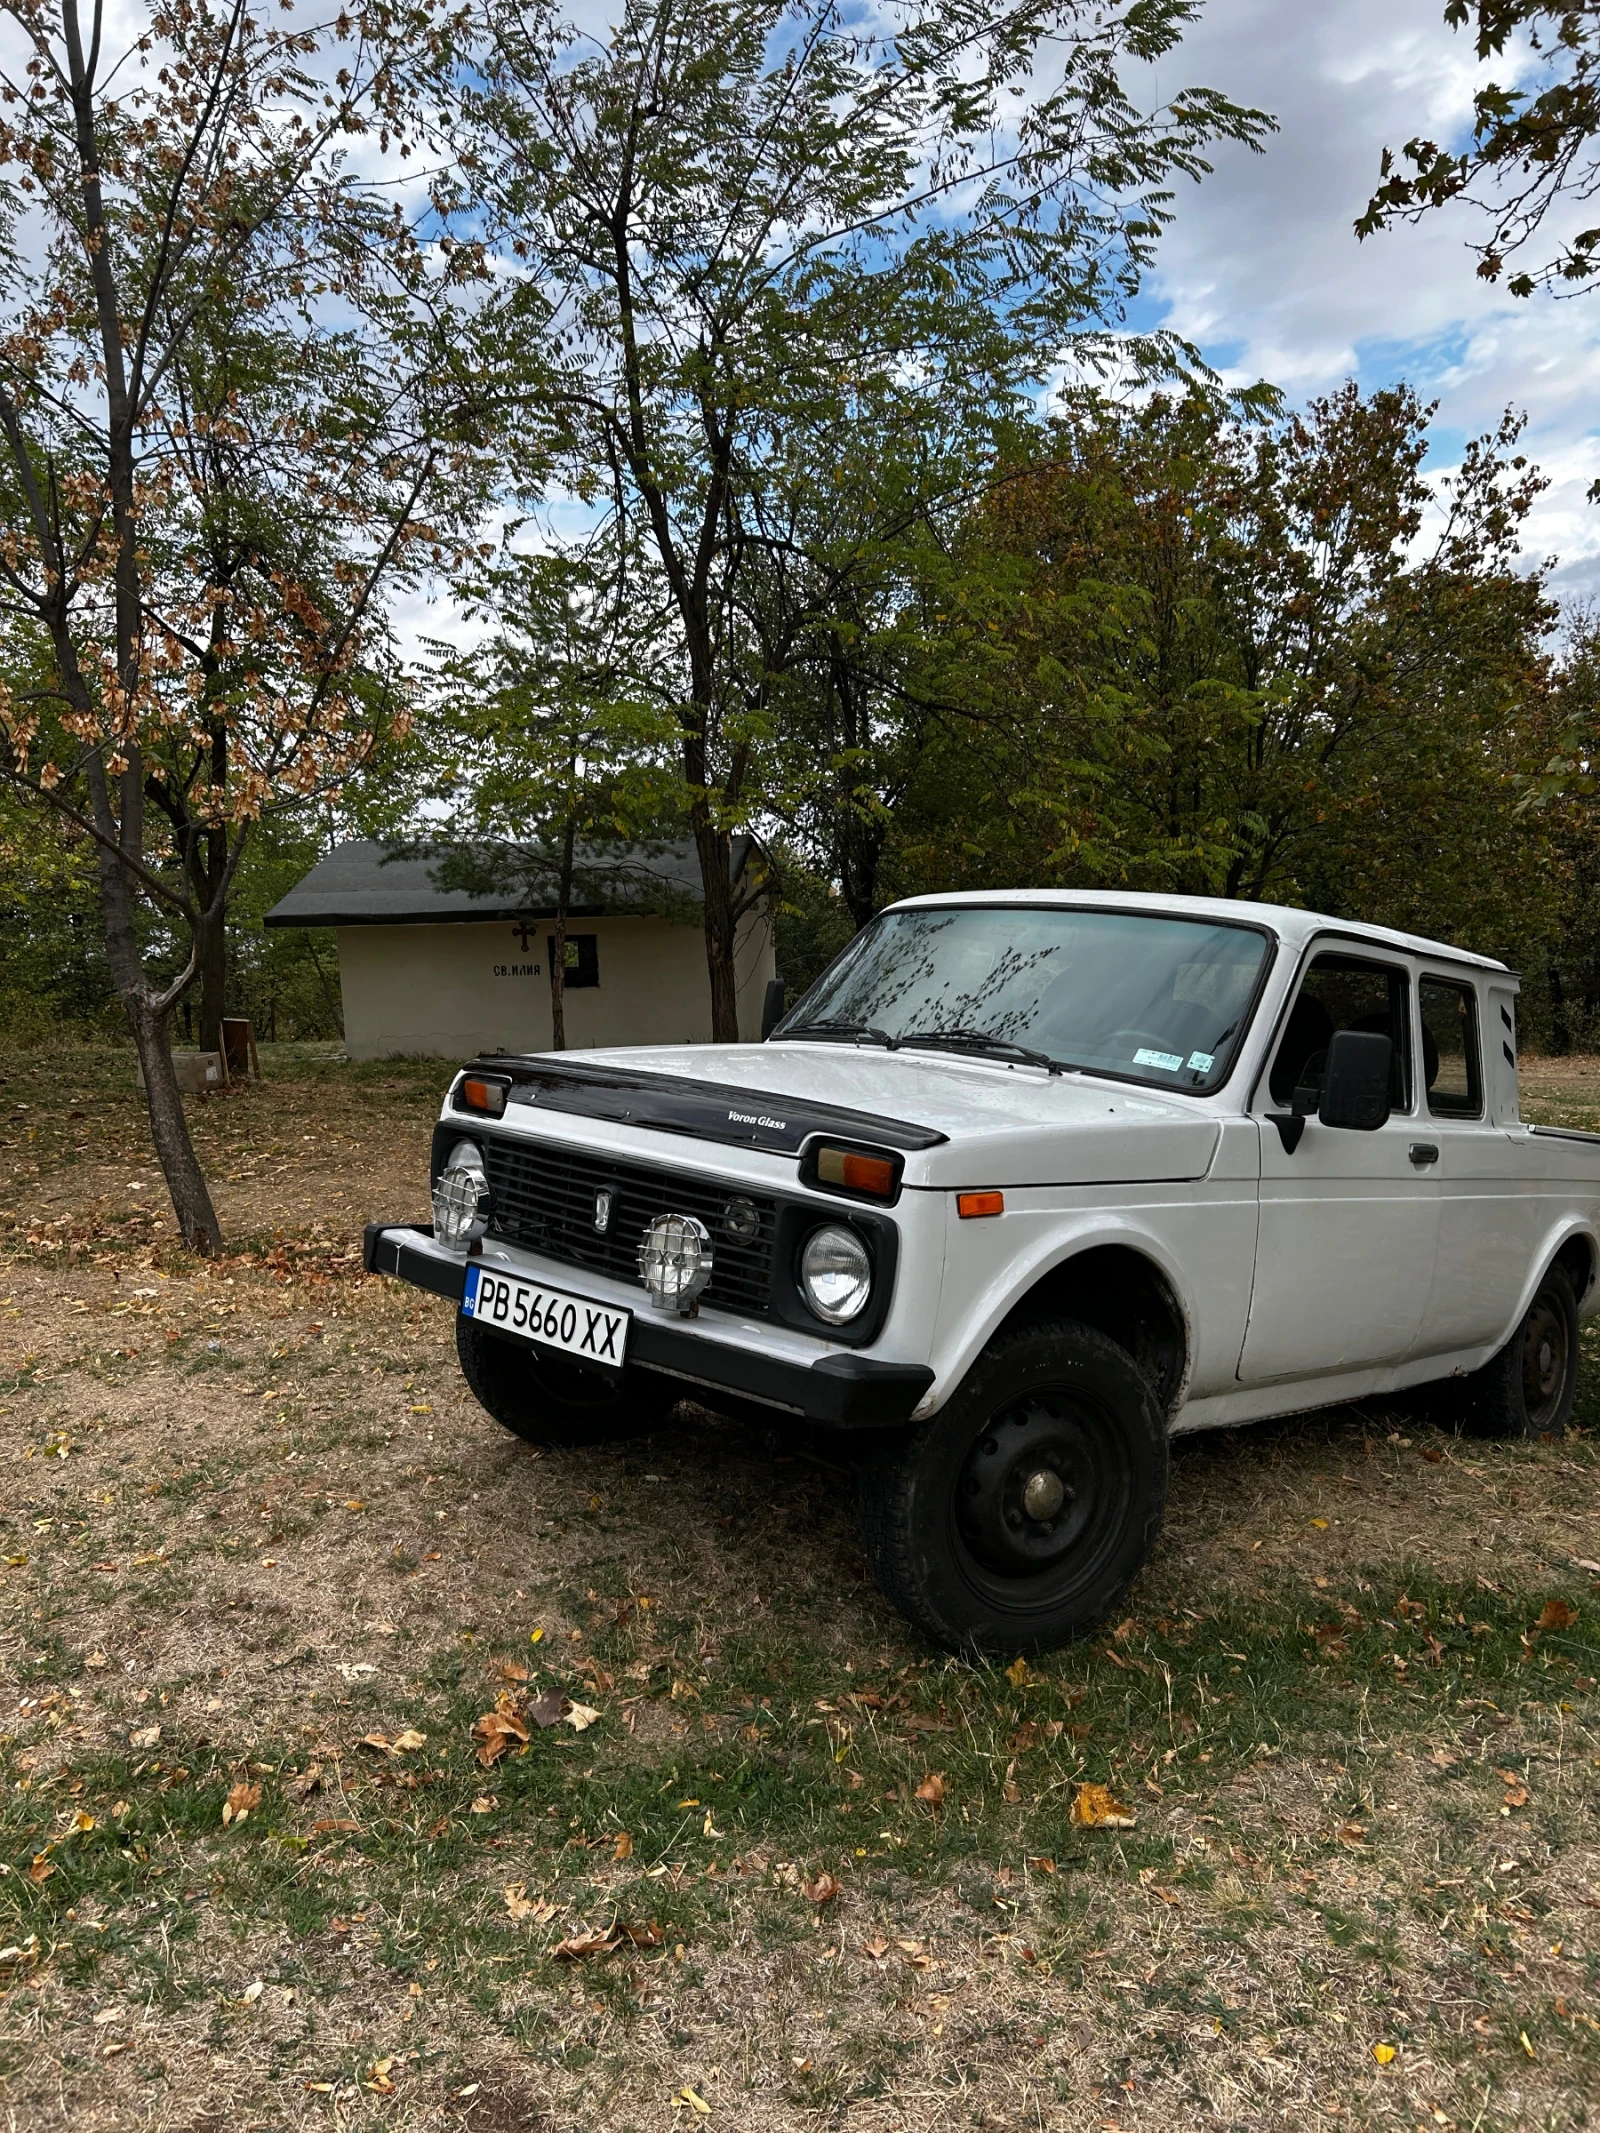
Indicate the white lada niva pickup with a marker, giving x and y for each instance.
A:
(1023, 1185)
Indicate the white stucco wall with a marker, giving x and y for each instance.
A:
(460, 988)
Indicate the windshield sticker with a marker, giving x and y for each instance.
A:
(1170, 1061)
(1202, 1062)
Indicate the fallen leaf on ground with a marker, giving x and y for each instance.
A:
(41, 1869)
(686, 2099)
(1556, 1614)
(485, 1803)
(822, 1890)
(1097, 1807)
(498, 1731)
(409, 1741)
(580, 1716)
(521, 1905)
(547, 1709)
(509, 1672)
(239, 1802)
(932, 1789)
(1383, 2053)
(302, 1787)
(582, 1944)
(145, 1737)
(623, 1848)
(877, 1949)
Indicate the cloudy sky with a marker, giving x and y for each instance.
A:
(1262, 269)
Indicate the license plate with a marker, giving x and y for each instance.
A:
(548, 1316)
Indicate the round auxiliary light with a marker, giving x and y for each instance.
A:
(836, 1274)
(461, 1199)
(675, 1261)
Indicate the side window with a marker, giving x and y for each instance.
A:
(1343, 992)
(1452, 1072)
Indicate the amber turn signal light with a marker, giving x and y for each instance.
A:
(980, 1203)
(477, 1094)
(872, 1174)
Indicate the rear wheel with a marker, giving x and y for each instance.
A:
(1016, 1516)
(544, 1399)
(1527, 1390)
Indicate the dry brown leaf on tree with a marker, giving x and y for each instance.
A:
(239, 1802)
(1097, 1807)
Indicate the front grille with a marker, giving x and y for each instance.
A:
(544, 1199)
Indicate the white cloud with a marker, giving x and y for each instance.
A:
(1263, 271)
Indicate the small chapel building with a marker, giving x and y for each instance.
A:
(451, 972)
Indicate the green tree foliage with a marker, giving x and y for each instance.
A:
(1220, 650)
(1532, 149)
(729, 224)
(559, 749)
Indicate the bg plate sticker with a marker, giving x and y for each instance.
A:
(1169, 1062)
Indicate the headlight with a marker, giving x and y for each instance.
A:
(461, 1199)
(836, 1274)
(675, 1261)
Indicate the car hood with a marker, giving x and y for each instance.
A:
(982, 1123)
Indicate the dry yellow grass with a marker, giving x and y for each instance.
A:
(250, 1505)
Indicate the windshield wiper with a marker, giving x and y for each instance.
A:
(858, 1030)
(982, 1040)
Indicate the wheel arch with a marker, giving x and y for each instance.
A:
(1124, 1293)
(1578, 1254)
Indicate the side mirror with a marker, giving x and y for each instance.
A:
(1356, 1084)
(771, 1008)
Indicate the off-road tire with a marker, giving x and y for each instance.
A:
(1526, 1390)
(546, 1400)
(943, 1505)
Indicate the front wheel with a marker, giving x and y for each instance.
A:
(1015, 1517)
(1526, 1390)
(544, 1399)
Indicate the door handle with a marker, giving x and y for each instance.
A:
(1424, 1152)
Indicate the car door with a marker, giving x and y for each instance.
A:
(1349, 1220)
(1488, 1217)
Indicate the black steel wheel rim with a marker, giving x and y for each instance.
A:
(1545, 1360)
(1041, 1500)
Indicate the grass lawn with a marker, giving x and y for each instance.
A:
(265, 1567)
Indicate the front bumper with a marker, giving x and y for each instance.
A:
(839, 1390)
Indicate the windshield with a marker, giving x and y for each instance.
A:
(1150, 999)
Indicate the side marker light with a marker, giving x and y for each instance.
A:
(969, 1204)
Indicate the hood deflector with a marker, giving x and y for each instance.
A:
(672, 1103)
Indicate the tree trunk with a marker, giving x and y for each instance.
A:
(558, 947)
(211, 951)
(169, 1130)
(713, 846)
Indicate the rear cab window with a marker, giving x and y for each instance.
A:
(1452, 1055)
(1337, 992)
